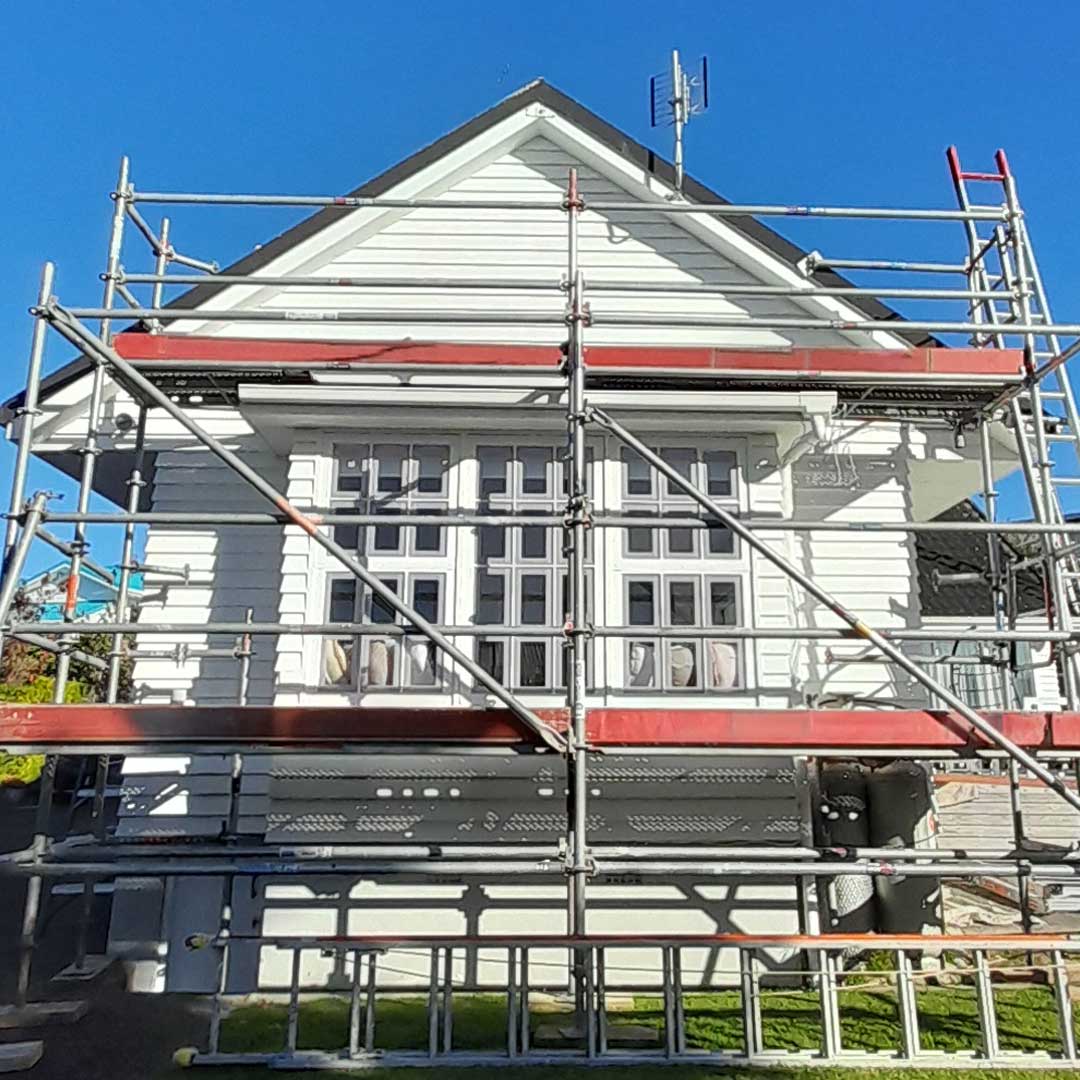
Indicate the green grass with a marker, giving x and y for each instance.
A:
(948, 1021)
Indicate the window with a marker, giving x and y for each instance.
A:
(521, 570)
(676, 663)
(647, 494)
(371, 661)
(391, 478)
(412, 561)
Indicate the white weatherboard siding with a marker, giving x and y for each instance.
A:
(860, 474)
(530, 162)
(231, 569)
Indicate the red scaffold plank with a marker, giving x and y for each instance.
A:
(933, 364)
(858, 731)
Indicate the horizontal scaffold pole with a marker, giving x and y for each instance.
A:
(496, 868)
(516, 285)
(886, 648)
(744, 323)
(404, 629)
(600, 206)
(612, 521)
(73, 330)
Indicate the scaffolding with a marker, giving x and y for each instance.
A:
(1006, 318)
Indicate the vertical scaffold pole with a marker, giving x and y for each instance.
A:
(577, 517)
(1008, 697)
(90, 453)
(136, 483)
(1042, 478)
(161, 266)
(90, 448)
(29, 412)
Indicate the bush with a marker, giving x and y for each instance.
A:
(23, 769)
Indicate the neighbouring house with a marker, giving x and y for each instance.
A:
(439, 418)
(96, 597)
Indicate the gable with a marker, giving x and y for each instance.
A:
(507, 126)
(455, 245)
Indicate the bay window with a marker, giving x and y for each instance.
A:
(666, 584)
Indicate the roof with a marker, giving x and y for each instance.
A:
(957, 552)
(536, 92)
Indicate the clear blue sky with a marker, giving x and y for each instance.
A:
(823, 103)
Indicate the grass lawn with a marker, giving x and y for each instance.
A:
(948, 1020)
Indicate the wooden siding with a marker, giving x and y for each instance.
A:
(524, 245)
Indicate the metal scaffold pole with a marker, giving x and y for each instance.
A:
(29, 411)
(577, 632)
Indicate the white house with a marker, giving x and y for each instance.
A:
(442, 418)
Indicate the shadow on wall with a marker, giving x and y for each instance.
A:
(232, 569)
(871, 574)
(340, 906)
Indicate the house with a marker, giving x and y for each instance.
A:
(365, 413)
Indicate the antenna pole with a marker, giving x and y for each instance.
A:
(678, 112)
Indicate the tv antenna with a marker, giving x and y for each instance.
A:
(674, 99)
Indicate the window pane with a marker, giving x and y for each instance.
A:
(533, 599)
(425, 598)
(721, 541)
(719, 467)
(390, 462)
(683, 600)
(681, 541)
(338, 661)
(352, 468)
(490, 598)
(641, 663)
(641, 603)
(382, 662)
(421, 662)
(493, 461)
(387, 537)
(381, 611)
(682, 665)
(534, 469)
(533, 663)
(681, 459)
(639, 541)
(492, 542)
(722, 603)
(638, 474)
(490, 656)
(723, 664)
(428, 537)
(342, 599)
(534, 540)
(432, 463)
(348, 536)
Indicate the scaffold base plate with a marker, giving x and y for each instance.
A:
(91, 968)
(20, 1056)
(41, 1013)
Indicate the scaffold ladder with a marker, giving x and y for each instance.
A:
(745, 975)
(1043, 412)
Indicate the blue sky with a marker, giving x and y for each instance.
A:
(831, 103)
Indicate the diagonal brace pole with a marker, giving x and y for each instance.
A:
(71, 329)
(882, 644)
